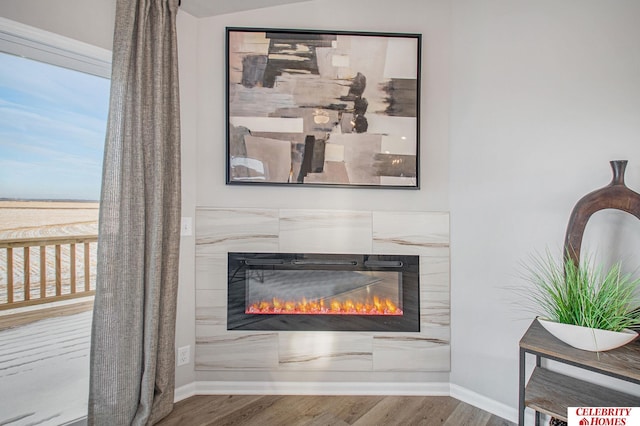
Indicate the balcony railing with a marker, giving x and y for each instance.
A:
(46, 269)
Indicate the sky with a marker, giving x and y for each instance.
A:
(52, 131)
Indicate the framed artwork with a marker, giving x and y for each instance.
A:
(318, 108)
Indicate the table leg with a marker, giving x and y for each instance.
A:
(538, 364)
(521, 387)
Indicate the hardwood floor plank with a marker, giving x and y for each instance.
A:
(467, 415)
(325, 419)
(205, 409)
(351, 408)
(186, 411)
(257, 413)
(307, 410)
(434, 410)
(343, 409)
(498, 421)
(409, 410)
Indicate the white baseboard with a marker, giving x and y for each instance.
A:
(487, 404)
(184, 392)
(326, 388)
(320, 388)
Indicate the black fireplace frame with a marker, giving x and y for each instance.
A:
(407, 265)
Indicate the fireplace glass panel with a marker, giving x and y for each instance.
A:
(323, 292)
(338, 292)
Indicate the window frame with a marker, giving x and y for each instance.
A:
(44, 46)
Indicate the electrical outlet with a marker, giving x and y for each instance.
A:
(186, 226)
(184, 355)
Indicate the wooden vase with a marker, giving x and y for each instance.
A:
(616, 195)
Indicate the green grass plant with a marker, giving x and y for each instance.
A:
(587, 295)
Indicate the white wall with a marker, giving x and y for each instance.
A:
(188, 59)
(545, 93)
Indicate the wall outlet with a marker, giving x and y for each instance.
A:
(186, 226)
(184, 355)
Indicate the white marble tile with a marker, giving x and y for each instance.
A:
(410, 232)
(235, 350)
(435, 295)
(222, 230)
(325, 231)
(206, 331)
(435, 270)
(243, 230)
(211, 307)
(326, 351)
(434, 310)
(211, 271)
(401, 352)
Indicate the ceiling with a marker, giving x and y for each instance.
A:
(205, 8)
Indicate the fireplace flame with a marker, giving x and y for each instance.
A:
(375, 306)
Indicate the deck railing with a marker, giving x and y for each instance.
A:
(46, 269)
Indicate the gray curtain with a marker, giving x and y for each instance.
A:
(132, 375)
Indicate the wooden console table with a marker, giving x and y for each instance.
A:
(552, 393)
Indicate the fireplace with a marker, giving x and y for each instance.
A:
(314, 292)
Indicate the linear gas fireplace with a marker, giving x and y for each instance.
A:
(338, 292)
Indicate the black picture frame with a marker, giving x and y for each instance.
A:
(322, 108)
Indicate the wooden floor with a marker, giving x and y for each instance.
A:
(44, 371)
(17, 317)
(275, 410)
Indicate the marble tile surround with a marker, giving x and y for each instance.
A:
(220, 230)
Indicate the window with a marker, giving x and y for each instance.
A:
(53, 114)
(52, 130)
(54, 95)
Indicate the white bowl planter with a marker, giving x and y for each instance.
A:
(588, 339)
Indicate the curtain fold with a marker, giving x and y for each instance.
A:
(132, 376)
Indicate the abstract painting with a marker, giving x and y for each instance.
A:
(318, 108)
